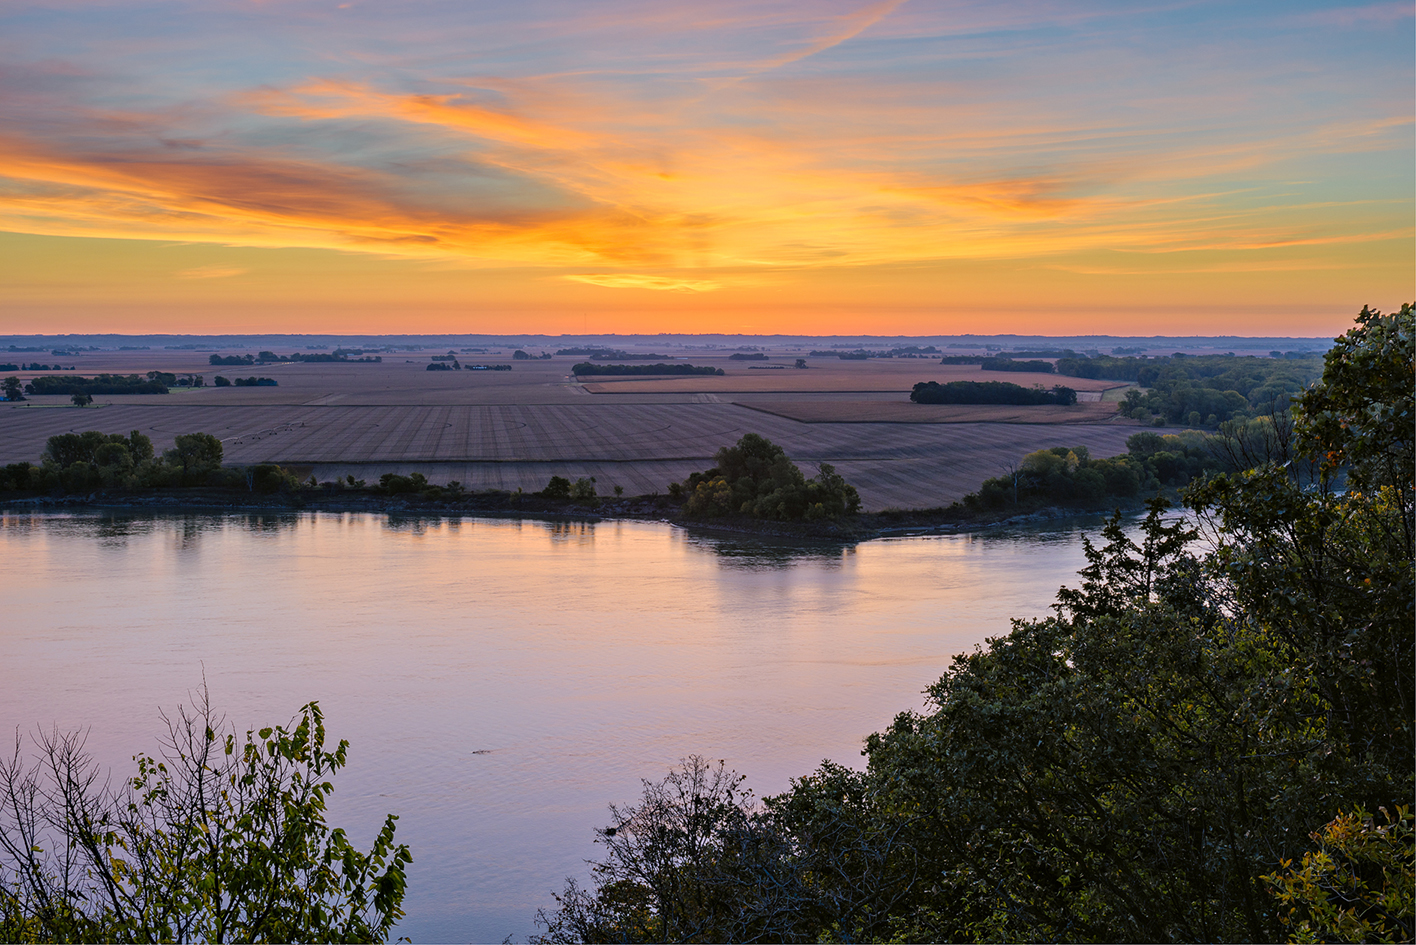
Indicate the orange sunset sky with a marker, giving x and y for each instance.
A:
(898, 167)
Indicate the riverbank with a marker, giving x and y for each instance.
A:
(864, 526)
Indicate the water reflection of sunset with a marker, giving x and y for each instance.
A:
(764, 167)
(498, 680)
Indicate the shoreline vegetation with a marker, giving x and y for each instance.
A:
(754, 488)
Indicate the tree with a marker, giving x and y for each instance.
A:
(1146, 764)
(1357, 886)
(12, 389)
(81, 399)
(677, 867)
(195, 454)
(219, 839)
(557, 488)
(754, 477)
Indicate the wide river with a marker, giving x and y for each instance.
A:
(500, 682)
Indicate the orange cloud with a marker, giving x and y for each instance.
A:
(629, 280)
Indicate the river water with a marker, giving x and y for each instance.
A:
(500, 682)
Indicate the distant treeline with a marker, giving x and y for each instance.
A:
(1009, 357)
(1069, 477)
(990, 392)
(754, 356)
(861, 354)
(1202, 391)
(102, 384)
(611, 354)
(270, 357)
(1008, 364)
(588, 369)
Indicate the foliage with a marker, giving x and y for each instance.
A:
(1357, 886)
(586, 369)
(102, 384)
(1008, 364)
(1069, 477)
(88, 461)
(219, 839)
(675, 865)
(1204, 390)
(194, 455)
(755, 478)
(1147, 763)
(557, 488)
(12, 389)
(394, 484)
(989, 392)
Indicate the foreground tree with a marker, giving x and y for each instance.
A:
(220, 839)
(1147, 764)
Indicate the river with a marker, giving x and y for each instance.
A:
(499, 681)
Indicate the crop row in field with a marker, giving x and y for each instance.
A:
(638, 446)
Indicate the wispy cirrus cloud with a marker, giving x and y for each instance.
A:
(604, 141)
(631, 280)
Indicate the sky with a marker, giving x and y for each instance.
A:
(826, 167)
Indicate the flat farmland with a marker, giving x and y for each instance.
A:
(830, 376)
(898, 411)
(515, 429)
(638, 446)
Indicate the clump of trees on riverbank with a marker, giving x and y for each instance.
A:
(755, 479)
(1210, 740)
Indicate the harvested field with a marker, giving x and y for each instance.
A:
(839, 376)
(641, 447)
(897, 411)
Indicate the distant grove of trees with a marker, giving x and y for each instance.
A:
(1008, 364)
(102, 384)
(989, 392)
(585, 368)
(1068, 477)
(270, 357)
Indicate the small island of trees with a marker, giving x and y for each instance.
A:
(755, 479)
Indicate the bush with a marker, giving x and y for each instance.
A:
(394, 484)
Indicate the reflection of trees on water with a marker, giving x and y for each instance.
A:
(765, 554)
(565, 533)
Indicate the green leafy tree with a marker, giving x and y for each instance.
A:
(220, 839)
(195, 455)
(754, 477)
(557, 488)
(1359, 884)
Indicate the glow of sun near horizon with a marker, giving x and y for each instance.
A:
(888, 167)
